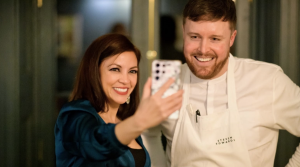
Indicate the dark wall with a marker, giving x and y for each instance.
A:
(265, 30)
(172, 7)
(27, 62)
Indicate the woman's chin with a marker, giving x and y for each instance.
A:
(121, 102)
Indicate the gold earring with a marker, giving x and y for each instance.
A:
(128, 100)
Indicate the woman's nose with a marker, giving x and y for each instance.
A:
(124, 78)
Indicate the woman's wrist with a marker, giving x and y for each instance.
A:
(138, 123)
(128, 130)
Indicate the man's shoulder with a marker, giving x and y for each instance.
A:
(255, 71)
(248, 65)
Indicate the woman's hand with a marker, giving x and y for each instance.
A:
(151, 112)
(153, 109)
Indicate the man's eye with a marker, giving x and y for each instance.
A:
(133, 71)
(114, 69)
(215, 39)
(194, 37)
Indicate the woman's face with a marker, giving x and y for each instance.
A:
(119, 76)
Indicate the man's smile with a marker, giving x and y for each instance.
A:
(204, 59)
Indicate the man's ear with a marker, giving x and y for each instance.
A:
(232, 38)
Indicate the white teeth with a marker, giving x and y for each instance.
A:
(120, 89)
(203, 59)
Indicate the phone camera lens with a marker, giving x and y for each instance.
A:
(157, 71)
(157, 65)
(157, 78)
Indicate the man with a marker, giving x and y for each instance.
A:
(233, 108)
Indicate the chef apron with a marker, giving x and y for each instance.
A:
(213, 140)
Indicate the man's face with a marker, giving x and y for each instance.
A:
(206, 47)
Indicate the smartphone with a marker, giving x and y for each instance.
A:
(162, 70)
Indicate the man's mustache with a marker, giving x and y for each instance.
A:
(200, 54)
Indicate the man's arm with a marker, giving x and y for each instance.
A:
(286, 109)
(295, 160)
(152, 141)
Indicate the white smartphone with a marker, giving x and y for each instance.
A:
(162, 70)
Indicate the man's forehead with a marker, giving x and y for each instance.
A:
(216, 23)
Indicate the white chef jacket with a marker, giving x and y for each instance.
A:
(267, 101)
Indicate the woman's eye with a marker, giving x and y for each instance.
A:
(114, 69)
(133, 71)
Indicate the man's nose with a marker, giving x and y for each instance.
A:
(203, 46)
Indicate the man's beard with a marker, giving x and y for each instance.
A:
(206, 72)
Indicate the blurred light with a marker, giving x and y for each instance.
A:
(109, 4)
(40, 3)
(101, 3)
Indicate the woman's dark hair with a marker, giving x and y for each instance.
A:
(211, 10)
(88, 83)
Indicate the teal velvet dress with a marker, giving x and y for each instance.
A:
(82, 138)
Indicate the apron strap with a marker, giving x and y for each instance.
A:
(231, 85)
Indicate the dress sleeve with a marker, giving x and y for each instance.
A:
(83, 136)
(286, 109)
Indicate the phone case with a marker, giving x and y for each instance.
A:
(162, 70)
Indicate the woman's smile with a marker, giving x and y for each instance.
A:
(121, 91)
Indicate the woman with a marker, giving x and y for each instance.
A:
(102, 123)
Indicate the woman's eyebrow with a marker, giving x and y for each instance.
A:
(134, 67)
(115, 65)
(121, 66)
